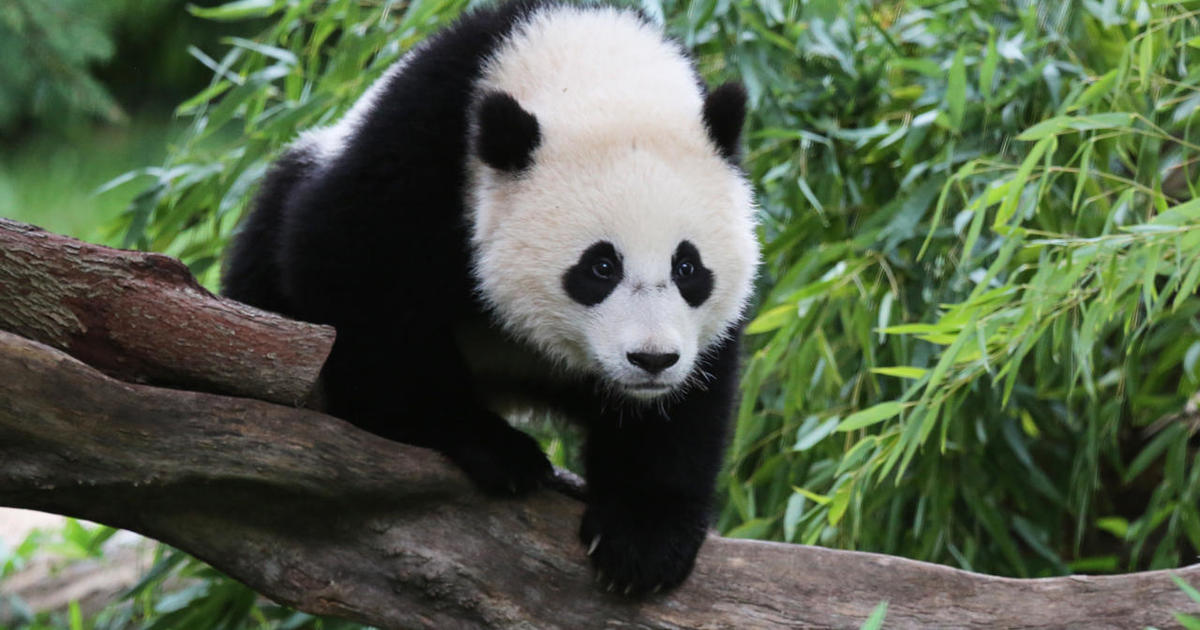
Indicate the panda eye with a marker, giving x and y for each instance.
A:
(685, 269)
(604, 269)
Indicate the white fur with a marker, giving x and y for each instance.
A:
(624, 157)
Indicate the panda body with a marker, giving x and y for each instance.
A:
(537, 208)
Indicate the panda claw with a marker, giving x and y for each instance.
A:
(611, 586)
(628, 589)
(657, 588)
(595, 543)
(599, 577)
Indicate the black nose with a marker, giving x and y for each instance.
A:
(653, 362)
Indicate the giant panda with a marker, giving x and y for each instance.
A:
(539, 207)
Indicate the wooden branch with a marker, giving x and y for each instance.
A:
(142, 317)
(319, 515)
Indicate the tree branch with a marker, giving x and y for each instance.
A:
(142, 317)
(322, 516)
(317, 514)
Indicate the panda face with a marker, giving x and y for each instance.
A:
(623, 261)
(643, 338)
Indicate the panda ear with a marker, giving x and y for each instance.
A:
(507, 134)
(724, 114)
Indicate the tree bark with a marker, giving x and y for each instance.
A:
(142, 317)
(317, 514)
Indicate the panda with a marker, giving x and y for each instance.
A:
(540, 207)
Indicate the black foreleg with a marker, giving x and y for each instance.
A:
(651, 475)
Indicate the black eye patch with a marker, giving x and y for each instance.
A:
(594, 277)
(695, 281)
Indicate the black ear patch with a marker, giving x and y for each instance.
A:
(507, 133)
(724, 114)
(594, 277)
(694, 280)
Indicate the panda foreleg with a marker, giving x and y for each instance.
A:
(651, 477)
(415, 388)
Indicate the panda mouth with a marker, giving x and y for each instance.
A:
(648, 389)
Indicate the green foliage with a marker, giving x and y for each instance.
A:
(983, 252)
(47, 49)
(176, 593)
(977, 339)
(53, 188)
(68, 67)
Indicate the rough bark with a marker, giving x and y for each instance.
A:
(142, 317)
(317, 514)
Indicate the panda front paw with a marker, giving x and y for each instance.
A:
(637, 553)
(503, 462)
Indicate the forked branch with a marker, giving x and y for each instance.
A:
(317, 514)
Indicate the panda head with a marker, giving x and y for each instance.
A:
(622, 251)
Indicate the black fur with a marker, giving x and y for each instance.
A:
(587, 282)
(651, 476)
(375, 243)
(724, 115)
(695, 281)
(507, 134)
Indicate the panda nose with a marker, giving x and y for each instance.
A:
(653, 362)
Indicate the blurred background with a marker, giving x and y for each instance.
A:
(977, 338)
(88, 92)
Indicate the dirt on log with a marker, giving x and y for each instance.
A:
(142, 317)
(314, 513)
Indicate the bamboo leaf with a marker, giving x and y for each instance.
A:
(900, 371)
(871, 415)
(238, 10)
(956, 90)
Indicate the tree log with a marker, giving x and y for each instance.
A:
(319, 515)
(142, 317)
(315, 513)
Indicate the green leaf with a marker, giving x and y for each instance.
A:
(901, 371)
(792, 514)
(76, 616)
(1097, 90)
(1157, 446)
(771, 319)
(841, 500)
(1060, 124)
(987, 69)
(807, 440)
(274, 52)
(1009, 206)
(956, 90)
(1187, 621)
(1146, 59)
(875, 621)
(1186, 588)
(819, 499)
(871, 415)
(237, 10)
(755, 528)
